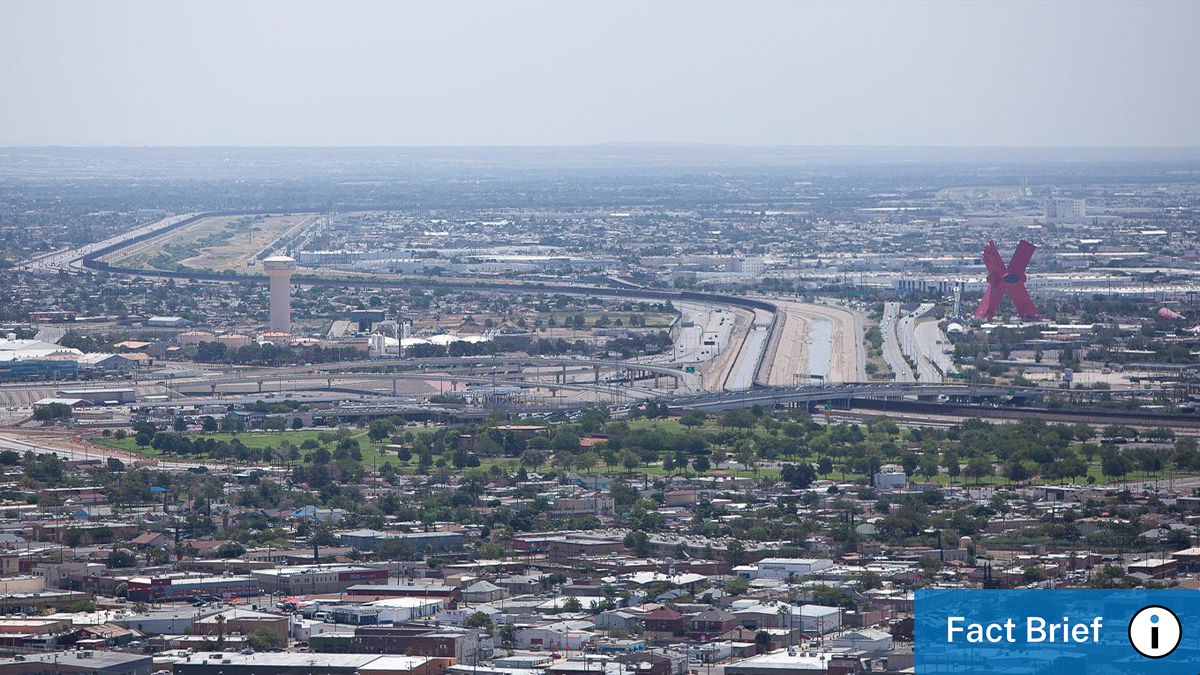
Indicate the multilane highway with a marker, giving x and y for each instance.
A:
(749, 358)
(892, 353)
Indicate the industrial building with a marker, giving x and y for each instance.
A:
(422, 542)
(89, 661)
(160, 589)
(100, 396)
(782, 568)
(234, 663)
(313, 579)
(35, 359)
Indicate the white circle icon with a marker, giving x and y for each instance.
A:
(1155, 631)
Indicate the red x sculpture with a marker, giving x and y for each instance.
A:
(1010, 279)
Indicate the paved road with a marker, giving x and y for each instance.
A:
(51, 334)
(71, 449)
(906, 333)
(741, 377)
(934, 347)
(711, 324)
(64, 259)
(891, 344)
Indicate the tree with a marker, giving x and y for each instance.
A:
(479, 620)
(51, 412)
(264, 639)
(638, 542)
(231, 549)
(208, 424)
(232, 424)
(737, 585)
(121, 558)
(824, 466)
(1083, 432)
(587, 461)
(379, 430)
(572, 604)
(929, 466)
(798, 475)
(179, 424)
(396, 549)
(979, 468)
(533, 458)
(1114, 465)
(868, 581)
(739, 418)
(950, 461)
(735, 553)
(508, 634)
(630, 461)
(82, 606)
(1016, 471)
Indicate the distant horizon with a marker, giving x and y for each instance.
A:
(543, 73)
(603, 144)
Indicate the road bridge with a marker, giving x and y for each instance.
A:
(846, 392)
(301, 381)
(692, 380)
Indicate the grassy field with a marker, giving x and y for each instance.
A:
(653, 319)
(241, 243)
(375, 456)
(218, 244)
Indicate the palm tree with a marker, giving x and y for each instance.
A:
(220, 619)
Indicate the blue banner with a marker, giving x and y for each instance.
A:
(1057, 632)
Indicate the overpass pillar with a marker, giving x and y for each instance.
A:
(656, 380)
(260, 386)
(596, 374)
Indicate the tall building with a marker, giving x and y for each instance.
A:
(280, 268)
(752, 267)
(1059, 210)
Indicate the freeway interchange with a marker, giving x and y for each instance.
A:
(732, 350)
(748, 345)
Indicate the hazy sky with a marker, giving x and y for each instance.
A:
(565, 72)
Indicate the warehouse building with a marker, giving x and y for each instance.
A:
(160, 589)
(314, 579)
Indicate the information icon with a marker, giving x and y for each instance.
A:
(1155, 631)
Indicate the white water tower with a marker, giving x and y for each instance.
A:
(280, 268)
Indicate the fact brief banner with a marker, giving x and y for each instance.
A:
(1057, 632)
